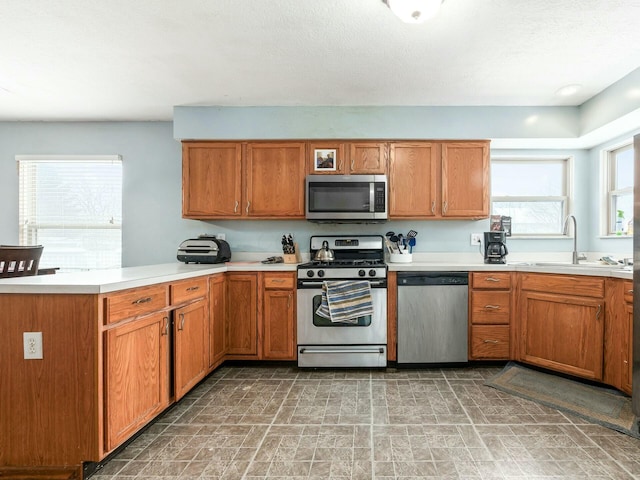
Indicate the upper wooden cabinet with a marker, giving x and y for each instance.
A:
(465, 179)
(349, 158)
(211, 179)
(439, 179)
(243, 180)
(413, 179)
(275, 180)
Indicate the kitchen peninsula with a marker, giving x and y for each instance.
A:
(108, 339)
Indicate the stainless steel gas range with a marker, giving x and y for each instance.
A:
(357, 342)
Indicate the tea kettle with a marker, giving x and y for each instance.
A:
(325, 254)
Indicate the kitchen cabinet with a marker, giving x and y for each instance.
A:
(275, 175)
(191, 346)
(279, 317)
(217, 312)
(413, 179)
(351, 158)
(243, 180)
(562, 323)
(136, 375)
(490, 309)
(241, 332)
(618, 335)
(439, 179)
(211, 179)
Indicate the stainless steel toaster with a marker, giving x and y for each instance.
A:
(204, 249)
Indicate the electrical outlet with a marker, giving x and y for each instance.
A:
(476, 239)
(32, 345)
(221, 236)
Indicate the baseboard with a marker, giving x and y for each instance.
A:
(41, 473)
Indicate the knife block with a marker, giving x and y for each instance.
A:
(292, 257)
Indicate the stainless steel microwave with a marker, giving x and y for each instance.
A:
(346, 198)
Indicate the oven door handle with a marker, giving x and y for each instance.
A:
(342, 350)
(318, 283)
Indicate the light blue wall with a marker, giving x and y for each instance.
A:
(152, 222)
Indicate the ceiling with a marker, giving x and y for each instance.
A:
(136, 60)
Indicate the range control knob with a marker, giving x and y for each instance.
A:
(309, 273)
(321, 273)
(372, 273)
(361, 273)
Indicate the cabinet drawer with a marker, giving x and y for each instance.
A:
(628, 291)
(490, 307)
(582, 286)
(489, 341)
(132, 303)
(280, 282)
(491, 280)
(188, 290)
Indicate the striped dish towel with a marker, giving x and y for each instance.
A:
(345, 300)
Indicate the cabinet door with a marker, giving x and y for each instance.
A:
(317, 155)
(627, 349)
(135, 376)
(216, 319)
(279, 334)
(211, 180)
(275, 180)
(241, 333)
(465, 179)
(412, 180)
(191, 349)
(368, 158)
(564, 333)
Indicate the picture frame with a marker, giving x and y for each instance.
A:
(324, 159)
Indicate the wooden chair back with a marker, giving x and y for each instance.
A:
(19, 261)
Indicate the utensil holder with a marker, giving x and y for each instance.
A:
(400, 257)
(292, 257)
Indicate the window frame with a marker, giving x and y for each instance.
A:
(607, 211)
(28, 233)
(568, 197)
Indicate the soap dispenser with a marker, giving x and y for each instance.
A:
(619, 222)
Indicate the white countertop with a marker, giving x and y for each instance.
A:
(105, 281)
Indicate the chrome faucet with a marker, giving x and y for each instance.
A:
(565, 231)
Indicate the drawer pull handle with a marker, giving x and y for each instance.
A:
(491, 341)
(492, 307)
(141, 300)
(491, 279)
(277, 280)
(630, 292)
(193, 289)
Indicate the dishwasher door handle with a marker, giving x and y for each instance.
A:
(342, 350)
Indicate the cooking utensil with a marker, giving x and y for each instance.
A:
(412, 234)
(412, 243)
(325, 254)
(401, 242)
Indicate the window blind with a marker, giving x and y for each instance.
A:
(72, 205)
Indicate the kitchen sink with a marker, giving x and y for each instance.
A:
(584, 265)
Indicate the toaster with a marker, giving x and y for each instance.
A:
(204, 249)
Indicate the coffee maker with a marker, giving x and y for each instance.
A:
(495, 247)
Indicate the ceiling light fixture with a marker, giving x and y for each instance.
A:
(414, 11)
(568, 90)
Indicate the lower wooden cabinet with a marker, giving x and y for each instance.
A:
(627, 353)
(217, 302)
(279, 317)
(135, 376)
(564, 330)
(241, 332)
(490, 310)
(191, 346)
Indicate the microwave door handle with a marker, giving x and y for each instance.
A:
(372, 197)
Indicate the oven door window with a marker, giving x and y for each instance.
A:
(319, 321)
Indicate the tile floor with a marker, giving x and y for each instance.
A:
(283, 423)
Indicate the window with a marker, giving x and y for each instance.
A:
(534, 192)
(72, 205)
(619, 164)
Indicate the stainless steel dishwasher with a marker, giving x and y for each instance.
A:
(432, 317)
